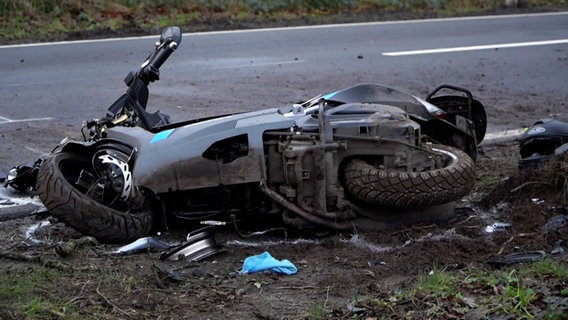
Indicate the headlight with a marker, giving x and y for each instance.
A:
(12, 174)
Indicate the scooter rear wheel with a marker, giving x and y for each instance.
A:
(396, 189)
(68, 202)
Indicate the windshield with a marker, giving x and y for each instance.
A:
(372, 93)
(375, 93)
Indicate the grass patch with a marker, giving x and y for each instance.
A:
(26, 294)
(547, 268)
(39, 20)
(475, 293)
(436, 281)
(81, 292)
(317, 312)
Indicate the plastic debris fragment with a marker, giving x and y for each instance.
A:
(146, 243)
(558, 249)
(497, 226)
(213, 223)
(199, 245)
(555, 222)
(519, 257)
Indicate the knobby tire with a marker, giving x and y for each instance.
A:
(396, 189)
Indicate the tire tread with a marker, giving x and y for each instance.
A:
(84, 214)
(394, 189)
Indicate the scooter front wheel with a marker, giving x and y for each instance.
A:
(398, 189)
(74, 204)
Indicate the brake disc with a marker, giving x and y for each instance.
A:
(124, 171)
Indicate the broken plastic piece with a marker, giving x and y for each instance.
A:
(355, 309)
(213, 223)
(555, 223)
(558, 249)
(166, 270)
(497, 226)
(145, 243)
(23, 177)
(200, 244)
(561, 150)
(520, 257)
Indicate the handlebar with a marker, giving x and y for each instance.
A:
(163, 54)
(169, 42)
(136, 96)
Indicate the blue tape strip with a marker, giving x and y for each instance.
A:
(161, 135)
(329, 95)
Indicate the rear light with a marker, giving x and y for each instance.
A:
(440, 114)
(433, 110)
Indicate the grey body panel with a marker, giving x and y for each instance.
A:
(172, 159)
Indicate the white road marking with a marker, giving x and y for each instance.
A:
(37, 83)
(341, 25)
(7, 120)
(472, 48)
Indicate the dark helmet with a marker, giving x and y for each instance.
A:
(545, 139)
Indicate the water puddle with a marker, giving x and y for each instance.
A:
(244, 243)
(30, 232)
(10, 197)
(362, 243)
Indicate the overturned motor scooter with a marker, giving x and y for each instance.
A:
(366, 154)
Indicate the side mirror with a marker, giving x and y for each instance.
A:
(173, 33)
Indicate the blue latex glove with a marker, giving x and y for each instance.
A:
(265, 262)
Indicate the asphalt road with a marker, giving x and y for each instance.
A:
(516, 65)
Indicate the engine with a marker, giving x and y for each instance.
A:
(304, 166)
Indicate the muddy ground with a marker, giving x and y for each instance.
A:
(335, 272)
